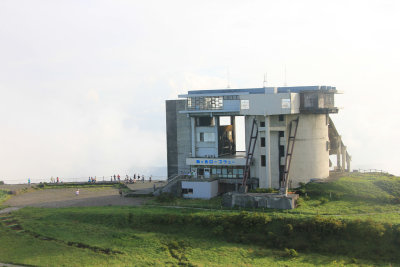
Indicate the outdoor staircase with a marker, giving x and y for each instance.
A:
(249, 156)
(289, 153)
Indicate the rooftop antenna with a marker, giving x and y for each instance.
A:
(228, 86)
(285, 83)
(265, 80)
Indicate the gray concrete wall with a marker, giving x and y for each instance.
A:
(206, 148)
(310, 156)
(201, 189)
(178, 137)
(270, 104)
(172, 147)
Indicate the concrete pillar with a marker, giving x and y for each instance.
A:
(348, 162)
(338, 153)
(193, 131)
(343, 157)
(216, 126)
(267, 153)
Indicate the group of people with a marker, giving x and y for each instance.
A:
(92, 180)
(54, 180)
(130, 180)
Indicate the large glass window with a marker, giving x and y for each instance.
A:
(224, 173)
(205, 102)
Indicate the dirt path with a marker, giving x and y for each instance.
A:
(65, 197)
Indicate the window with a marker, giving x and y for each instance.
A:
(231, 97)
(281, 117)
(204, 121)
(263, 160)
(262, 123)
(224, 173)
(187, 190)
(281, 134)
(205, 137)
(205, 102)
(281, 151)
(262, 141)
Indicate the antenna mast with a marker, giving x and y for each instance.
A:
(285, 83)
(265, 80)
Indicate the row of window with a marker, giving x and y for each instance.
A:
(218, 171)
(280, 118)
(205, 102)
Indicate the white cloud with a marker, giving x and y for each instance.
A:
(83, 84)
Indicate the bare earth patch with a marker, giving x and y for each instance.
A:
(65, 197)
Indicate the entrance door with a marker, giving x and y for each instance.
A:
(207, 173)
(200, 172)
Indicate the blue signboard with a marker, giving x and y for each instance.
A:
(215, 162)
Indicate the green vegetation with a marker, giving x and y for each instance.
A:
(353, 221)
(4, 195)
(115, 236)
(352, 197)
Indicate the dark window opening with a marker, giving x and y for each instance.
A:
(187, 190)
(262, 141)
(201, 137)
(281, 117)
(200, 171)
(281, 134)
(205, 121)
(263, 160)
(262, 123)
(281, 151)
(281, 173)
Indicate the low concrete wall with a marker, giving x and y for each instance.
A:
(260, 200)
(201, 189)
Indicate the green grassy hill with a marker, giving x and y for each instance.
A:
(351, 221)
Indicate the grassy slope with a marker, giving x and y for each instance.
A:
(351, 197)
(121, 229)
(3, 197)
(139, 244)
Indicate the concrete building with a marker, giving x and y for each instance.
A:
(203, 133)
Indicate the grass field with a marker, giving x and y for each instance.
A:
(353, 221)
(3, 197)
(358, 196)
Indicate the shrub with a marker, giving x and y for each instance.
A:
(165, 197)
(299, 202)
(218, 230)
(290, 253)
(1, 182)
(263, 190)
(323, 200)
(288, 229)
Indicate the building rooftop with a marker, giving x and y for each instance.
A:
(263, 90)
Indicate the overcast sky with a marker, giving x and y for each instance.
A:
(83, 83)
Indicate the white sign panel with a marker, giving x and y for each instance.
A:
(244, 104)
(286, 103)
(216, 161)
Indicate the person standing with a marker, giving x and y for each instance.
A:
(58, 180)
(29, 181)
(150, 178)
(119, 178)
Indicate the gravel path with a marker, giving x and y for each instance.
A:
(65, 197)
